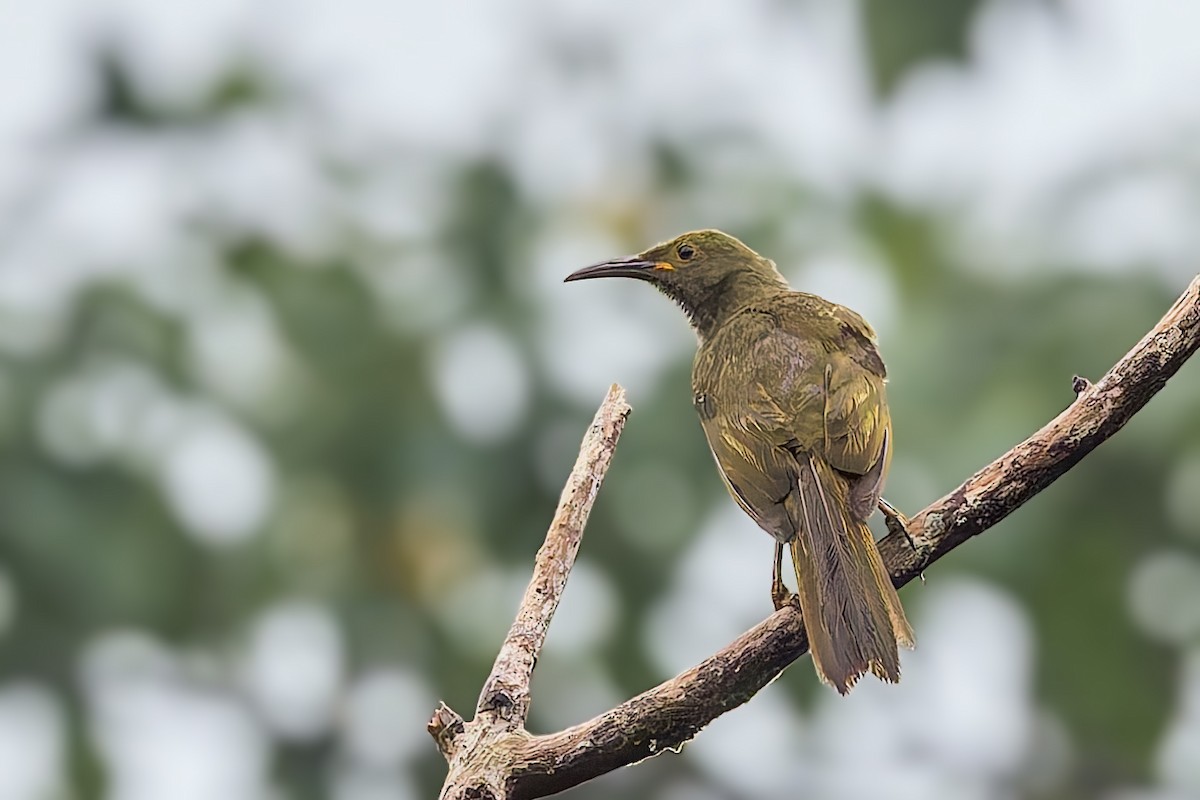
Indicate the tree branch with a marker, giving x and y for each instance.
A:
(665, 717)
(475, 749)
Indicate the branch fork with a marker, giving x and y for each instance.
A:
(493, 757)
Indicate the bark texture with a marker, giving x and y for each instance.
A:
(494, 757)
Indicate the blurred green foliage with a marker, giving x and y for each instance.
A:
(384, 510)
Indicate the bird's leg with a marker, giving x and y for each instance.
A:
(780, 596)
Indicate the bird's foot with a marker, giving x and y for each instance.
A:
(782, 596)
(896, 521)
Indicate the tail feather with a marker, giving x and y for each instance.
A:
(851, 610)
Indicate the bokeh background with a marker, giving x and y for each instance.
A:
(289, 383)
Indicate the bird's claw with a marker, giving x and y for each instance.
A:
(782, 596)
(896, 522)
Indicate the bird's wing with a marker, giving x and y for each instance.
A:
(820, 393)
(749, 388)
(785, 394)
(856, 415)
(825, 395)
(786, 388)
(857, 339)
(858, 426)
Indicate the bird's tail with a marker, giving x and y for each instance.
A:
(851, 610)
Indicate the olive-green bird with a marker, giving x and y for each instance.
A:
(790, 392)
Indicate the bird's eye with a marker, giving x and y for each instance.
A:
(685, 252)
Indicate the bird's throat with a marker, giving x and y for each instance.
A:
(709, 306)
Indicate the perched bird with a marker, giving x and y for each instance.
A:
(790, 392)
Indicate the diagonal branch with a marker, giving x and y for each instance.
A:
(505, 695)
(471, 748)
(670, 714)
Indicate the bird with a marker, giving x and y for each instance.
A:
(790, 391)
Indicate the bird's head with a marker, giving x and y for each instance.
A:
(709, 273)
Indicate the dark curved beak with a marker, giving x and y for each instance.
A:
(628, 267)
